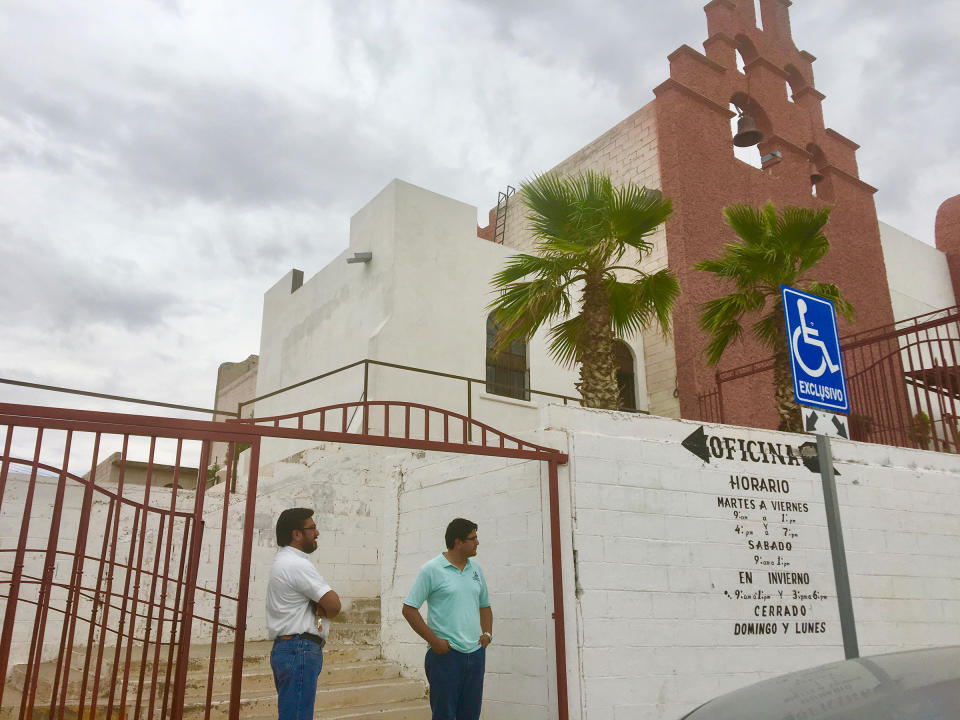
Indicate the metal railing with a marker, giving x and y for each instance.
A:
(903, 380)
(367, 363)
(118, 398)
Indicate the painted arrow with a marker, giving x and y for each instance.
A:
(696, 442)
(810, 459)
(841, 428)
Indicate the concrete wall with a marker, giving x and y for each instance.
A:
(661, 546)
(345, 487)
(506, 499)
(135, 473)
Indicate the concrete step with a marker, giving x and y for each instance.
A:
(380, 693)
(395, 699)
(341, 663)
(258, 680)
(343, 634)
(408, 710)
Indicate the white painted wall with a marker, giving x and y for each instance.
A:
(345, 487)
(920, 283)
(506, 498)
(420, 302)
(656, 557)
(917, 274)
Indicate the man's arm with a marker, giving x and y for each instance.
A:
(486, 625)
(328, 605)
(412, 615)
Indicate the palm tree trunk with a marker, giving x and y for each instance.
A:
(790, 417)
(598, 373)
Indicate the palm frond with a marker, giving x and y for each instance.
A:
(775, 248)
(747, 222)
(635, 213)
(767, 328)
(524, 306)
(832, 293)
(720, 339)
(721, 320)
(635, 305)
(520, 266)
(583, 226)
(564, 342)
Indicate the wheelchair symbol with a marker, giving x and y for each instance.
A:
(810, 337)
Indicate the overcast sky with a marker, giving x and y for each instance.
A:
(163, 163)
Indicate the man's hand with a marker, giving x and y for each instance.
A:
(486, 626)
(438, 644)
(441, 646)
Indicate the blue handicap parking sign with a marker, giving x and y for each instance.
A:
(818, 377)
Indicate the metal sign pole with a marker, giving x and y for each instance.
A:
(848, 626)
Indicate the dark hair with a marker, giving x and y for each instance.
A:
(458, 529)
(291, 519)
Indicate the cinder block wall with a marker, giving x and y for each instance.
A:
(676, 606)
(344, 486)
(506, 500)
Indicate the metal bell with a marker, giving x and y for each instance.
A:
(815, 175)
(747, 132)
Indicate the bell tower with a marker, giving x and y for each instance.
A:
(751, 68)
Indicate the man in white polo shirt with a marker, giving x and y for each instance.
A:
(298, 598)
(459, 624)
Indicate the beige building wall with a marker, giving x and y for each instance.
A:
(628, 153)
(236, 382)
(135, 473)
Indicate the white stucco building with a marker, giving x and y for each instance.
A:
(419, 301)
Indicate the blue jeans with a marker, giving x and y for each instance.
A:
(456, 683)
(296, 665)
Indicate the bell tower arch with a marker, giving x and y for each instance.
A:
(803, 163)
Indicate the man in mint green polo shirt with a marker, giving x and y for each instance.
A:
(459, 624)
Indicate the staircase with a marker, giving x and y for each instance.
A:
(356, 683)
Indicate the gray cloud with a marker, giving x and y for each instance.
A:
(161, 168)
(55, 294)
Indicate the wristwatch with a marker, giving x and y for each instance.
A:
(489, 635)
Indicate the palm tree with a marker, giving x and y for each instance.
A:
(584, 226)
(775, 249)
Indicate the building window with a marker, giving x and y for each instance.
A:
(623, 359)
(507, 371)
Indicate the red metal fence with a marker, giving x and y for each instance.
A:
(125, 574)
(105, 575)
(903, 380)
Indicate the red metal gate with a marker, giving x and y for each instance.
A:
(105, 575)
(139, 600)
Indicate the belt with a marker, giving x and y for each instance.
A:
(306, 636)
